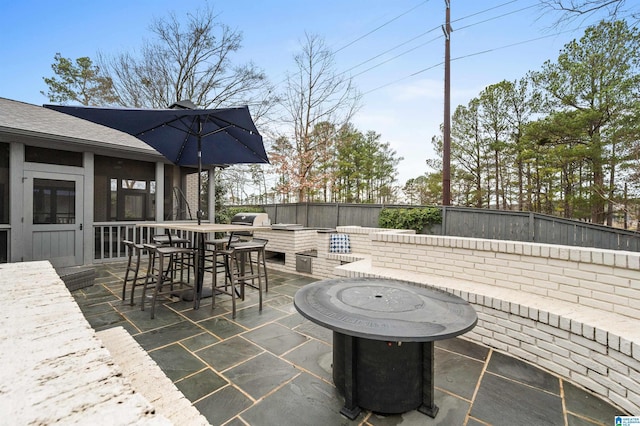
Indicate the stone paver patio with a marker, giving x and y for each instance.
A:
(274, 367)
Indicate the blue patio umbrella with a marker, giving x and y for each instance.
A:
(184, 135)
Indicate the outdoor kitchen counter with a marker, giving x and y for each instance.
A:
(383, 334)
(54, 368)
(286, 241)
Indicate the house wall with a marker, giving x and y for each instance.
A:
(4, 183)
(91, 192)
(191, 193)
(89, 204)
(16, 172)
(159, 201)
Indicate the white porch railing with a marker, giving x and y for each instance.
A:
(108, 237)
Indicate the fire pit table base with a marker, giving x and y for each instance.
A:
(383, 334)
(384, 377)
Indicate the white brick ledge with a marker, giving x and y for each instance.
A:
(54, 368)
(348, 257)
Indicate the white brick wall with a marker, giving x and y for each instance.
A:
(582, 354)
(291, 242)
(600, 280)
(573, 311)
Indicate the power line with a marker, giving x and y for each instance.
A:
(394, 48)
(506, 46)
(424, 33)
(473, 54)
(427, 32)
(582, 27)
(403, 78)
(373, 31)
(381, 26)
(484, 11)
(397, 56)
(395, 18)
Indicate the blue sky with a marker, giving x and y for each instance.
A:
(403, 97)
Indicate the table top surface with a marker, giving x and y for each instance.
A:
(203, 227)
(383, 309)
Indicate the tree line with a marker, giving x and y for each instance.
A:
(562, 140)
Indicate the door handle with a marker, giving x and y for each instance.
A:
(81, 227)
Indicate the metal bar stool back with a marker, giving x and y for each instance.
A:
(180, 263)
(220, 259)
(214, 260)
(159, 273)
(247, 249)
(238, 257)
(131, 275)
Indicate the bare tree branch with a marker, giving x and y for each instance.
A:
(316, 94)
(571, 10)
(189, 60)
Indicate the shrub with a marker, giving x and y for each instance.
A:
(417, 218)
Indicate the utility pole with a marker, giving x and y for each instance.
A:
(446, 138)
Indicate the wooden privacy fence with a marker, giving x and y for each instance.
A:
(466, 222)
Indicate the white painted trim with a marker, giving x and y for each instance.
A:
(16, 170)
(89, 204)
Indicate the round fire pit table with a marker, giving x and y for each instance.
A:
(383, 334)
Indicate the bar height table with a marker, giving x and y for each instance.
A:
(383, 339)
(200, 231)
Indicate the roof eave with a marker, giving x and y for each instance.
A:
(81, 143)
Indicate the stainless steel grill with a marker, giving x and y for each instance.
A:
(250, 219)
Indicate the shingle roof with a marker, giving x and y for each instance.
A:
(19, 118)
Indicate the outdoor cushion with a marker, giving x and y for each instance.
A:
(339, 243)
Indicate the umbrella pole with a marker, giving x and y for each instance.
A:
(199, 214)
(200, 235)
(211, 199)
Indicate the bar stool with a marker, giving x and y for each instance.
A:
(220, 258)
(211, 258)
(257, 246)
(159, 273)
(133, 268)
(181, 262)
(221, 243)
(235, 258)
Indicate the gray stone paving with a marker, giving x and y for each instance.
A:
(274, 367)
